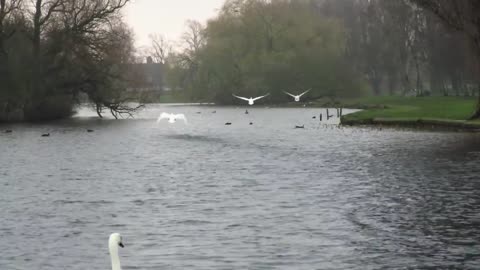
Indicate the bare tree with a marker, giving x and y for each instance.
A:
(161, 48)
(44, 9)
(63, 48)
(194, 37)
(193, 40)
(88, 16)
(463, 15)
(103, 41)
(7, 9)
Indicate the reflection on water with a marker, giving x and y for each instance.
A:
(210, 196)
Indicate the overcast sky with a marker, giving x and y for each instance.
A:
(167, 17)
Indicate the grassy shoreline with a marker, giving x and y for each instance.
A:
(413, 112)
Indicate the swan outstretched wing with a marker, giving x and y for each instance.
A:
(289, 94)
(181, 116)
(241, 97)
(305, 92)
(162, 116)
(257, 98)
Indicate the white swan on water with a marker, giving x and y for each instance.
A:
(172, 118)
(297, 97)
(114, 242)
(251, 101)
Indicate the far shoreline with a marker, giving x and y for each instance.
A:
(416, 124)
(422, 113)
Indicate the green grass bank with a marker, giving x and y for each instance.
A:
(422, 112)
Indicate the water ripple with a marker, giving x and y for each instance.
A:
(208, 196)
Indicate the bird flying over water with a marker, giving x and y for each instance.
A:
(297, 97)
(251, 101)
(172, 118)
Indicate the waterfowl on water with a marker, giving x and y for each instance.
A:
(115, 241)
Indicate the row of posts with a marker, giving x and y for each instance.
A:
(339, 114)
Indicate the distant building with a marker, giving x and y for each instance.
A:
(149, 77)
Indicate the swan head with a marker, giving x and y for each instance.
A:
(115, 240)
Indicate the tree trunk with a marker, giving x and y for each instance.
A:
(375, 81)
(98, 107)
(476, 113)
(3, 58)
(376, 87)
(476, 44)
(455, 82)
(392, 83)
(419, 83)
(36, 30)
(3, 53)
(35, 81)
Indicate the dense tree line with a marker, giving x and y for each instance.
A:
(464, 17)
(255, 47)
(400, 47)
(53, 52)
(338, 48)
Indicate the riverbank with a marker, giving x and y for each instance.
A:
(417, 112)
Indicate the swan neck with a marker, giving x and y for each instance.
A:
(115, 258)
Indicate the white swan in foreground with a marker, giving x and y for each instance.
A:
(297, 97)
(251, 101)
(114, 242)
(172, 118)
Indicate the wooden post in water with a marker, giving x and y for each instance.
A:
(328, 115)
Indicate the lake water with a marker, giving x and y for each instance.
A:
(261, 196)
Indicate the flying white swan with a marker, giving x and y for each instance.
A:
(172, 118)
(114, 242)
(251, 100)
(297, 97)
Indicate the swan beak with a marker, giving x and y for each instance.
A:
(121, 244)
